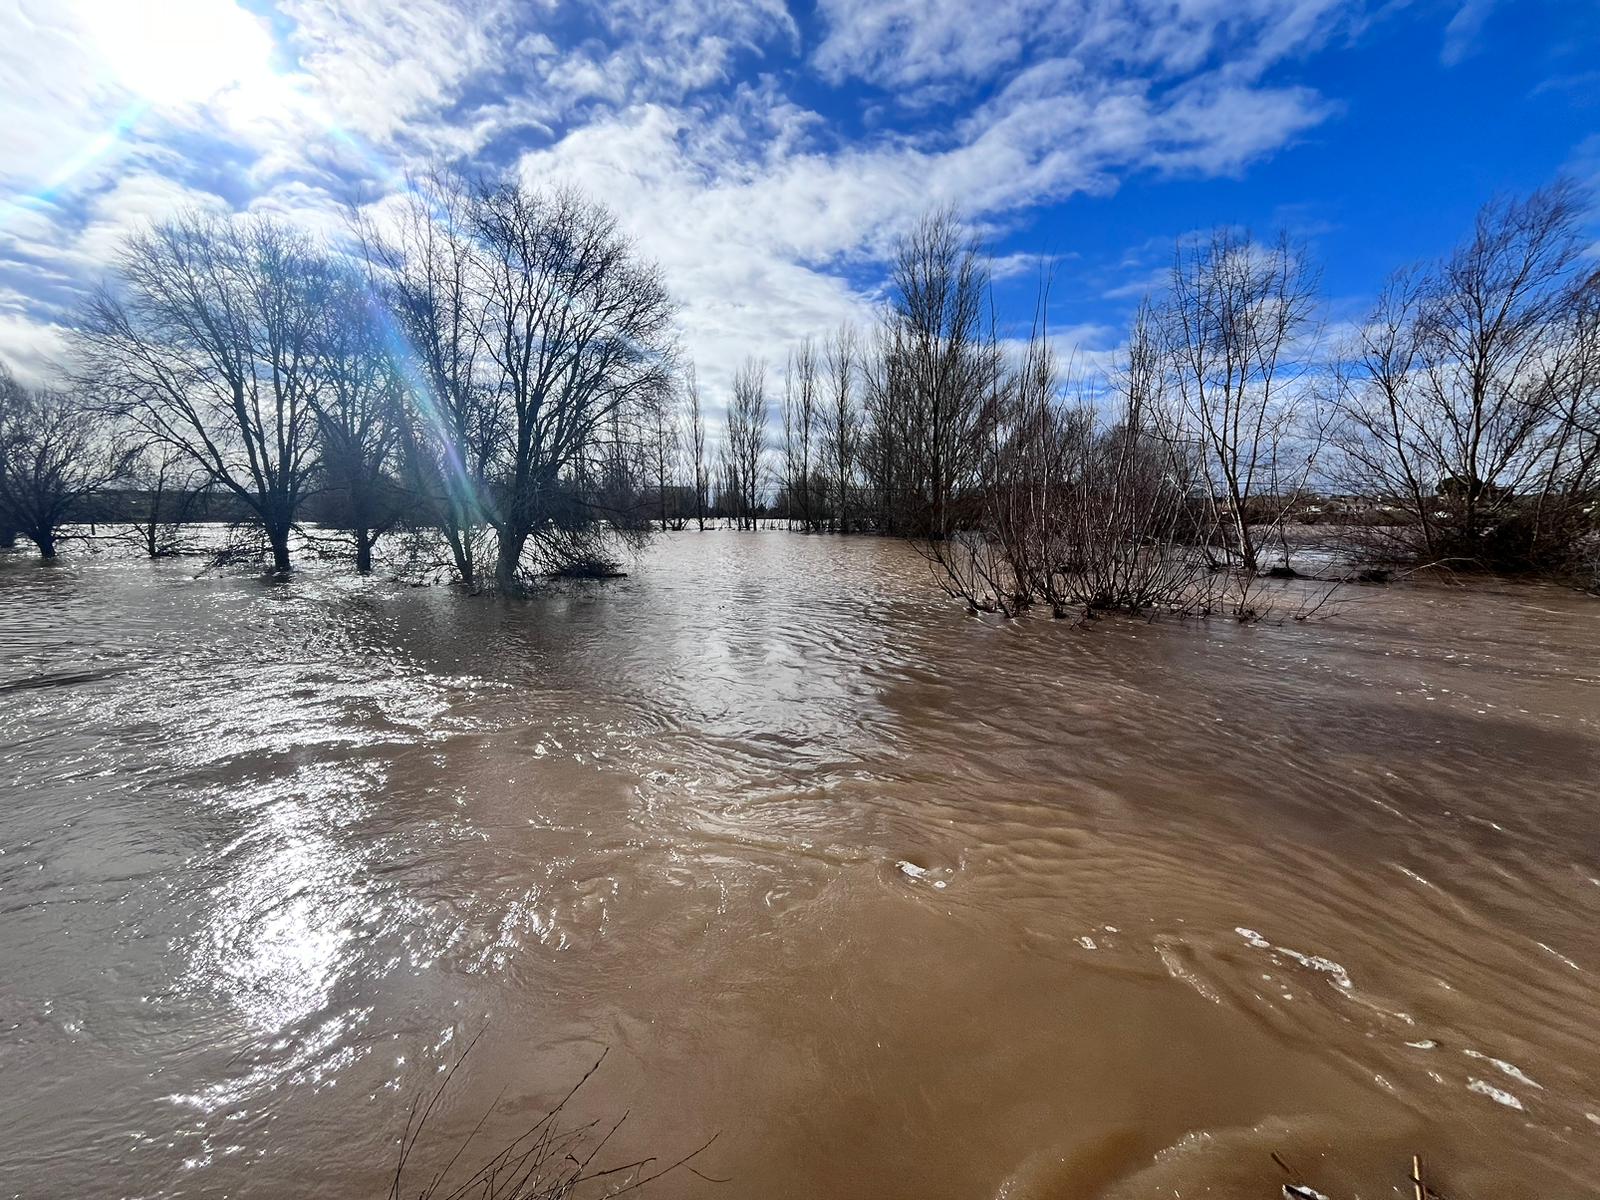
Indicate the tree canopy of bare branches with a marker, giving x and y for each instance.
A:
(358, 408)
(1239, 315)
(745, 443)
(939, 370)
(1467, 400)
(207, 342)
(842, 421)
(696, 420)
(53, 455)
(537, 342)
(576, 336)
(801, 425)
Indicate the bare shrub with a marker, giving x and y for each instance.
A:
(1079, 510)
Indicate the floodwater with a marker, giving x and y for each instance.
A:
(893, 901)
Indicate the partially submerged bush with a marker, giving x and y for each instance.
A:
(1078, 511)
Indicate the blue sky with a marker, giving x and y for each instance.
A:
(768, 154)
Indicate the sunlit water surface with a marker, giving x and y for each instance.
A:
(894, 901)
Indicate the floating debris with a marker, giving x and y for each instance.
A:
(921, 874)
(1505, 1068)
(1484, 1088)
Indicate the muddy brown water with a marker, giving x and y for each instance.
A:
(893, 901)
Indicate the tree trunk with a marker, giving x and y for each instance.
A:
(8, 538)
(507, 559)
(45, 539)
(364, 541)
(1248, 557)
(278, 536)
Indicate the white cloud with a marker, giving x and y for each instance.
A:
(905, 43)
(754, 232)
(1461, 34)
(380, 66)
(58, 106)
(676, 47)
(771, 221)
(738, 244)
(33, 350)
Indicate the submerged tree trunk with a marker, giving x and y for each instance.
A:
(8, 538)
(45, 539)
(278, 538)
(364, 540)
(1249, 558)
(507, 559)
(455, 524)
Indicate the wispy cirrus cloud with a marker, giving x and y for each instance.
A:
(904, 43)
(1462, 33)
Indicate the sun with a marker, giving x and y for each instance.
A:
(173, 53)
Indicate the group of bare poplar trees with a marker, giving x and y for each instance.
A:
(1458, 423)
(492, 370)
(873, 434)
(483, 367)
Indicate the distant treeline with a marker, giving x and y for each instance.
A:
(493, 371)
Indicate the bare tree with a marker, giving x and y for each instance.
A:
(885, 452)
(207, 341)
(842, 421)
(54, 454)
(723, 504)
(940, 365)
(1239, 317)
(358, 413)
(697, 445)
(665, 450)
(1565, 514)
(788, 449)
(167, 487)
(745, 444)
(1466, 401)
(1383, 454)
(422, 262)
(539, 344)
(576, 343)
(801, 410)
(8, 521)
